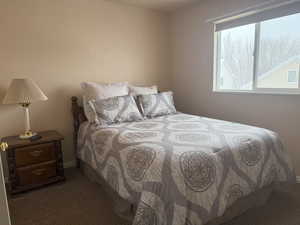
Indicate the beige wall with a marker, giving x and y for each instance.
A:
(192, 40)
(59, 43)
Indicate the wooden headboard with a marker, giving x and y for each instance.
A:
(78, 118)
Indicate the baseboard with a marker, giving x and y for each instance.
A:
(69, 164)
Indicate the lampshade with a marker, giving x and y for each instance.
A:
(23, 91)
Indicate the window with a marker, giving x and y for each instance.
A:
(235, 58)
(263, 56)
(292, 76)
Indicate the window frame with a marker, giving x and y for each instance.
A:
(255, 89)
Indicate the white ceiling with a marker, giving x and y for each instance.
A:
(167, 5)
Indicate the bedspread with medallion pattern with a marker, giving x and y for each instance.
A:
(182, 169)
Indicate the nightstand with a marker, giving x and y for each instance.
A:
(33, 164)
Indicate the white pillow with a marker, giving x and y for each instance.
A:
(138, 90)
(97, 91)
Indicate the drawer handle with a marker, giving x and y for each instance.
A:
(3, 146)
(38, 172)
(35, 153)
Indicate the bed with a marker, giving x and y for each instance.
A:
(181, 169)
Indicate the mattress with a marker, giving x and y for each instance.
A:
(184, 169)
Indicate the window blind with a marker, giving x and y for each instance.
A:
(258, 15)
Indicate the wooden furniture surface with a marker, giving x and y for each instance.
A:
(33, 164)
(78, 118)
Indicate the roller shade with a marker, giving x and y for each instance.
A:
(258, 15)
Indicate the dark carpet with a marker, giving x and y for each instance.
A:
(78, 201)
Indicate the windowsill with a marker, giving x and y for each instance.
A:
(257, 92)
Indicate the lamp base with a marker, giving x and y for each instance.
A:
(27, 135)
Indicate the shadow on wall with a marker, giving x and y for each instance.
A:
(51, 114)
(4, 109)
(56, 114)
(2, 94)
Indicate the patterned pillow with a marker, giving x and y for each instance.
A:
(89, 112)
(116, 110)
(157, 104)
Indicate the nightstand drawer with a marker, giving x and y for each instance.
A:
(36, 174)
(34, 154)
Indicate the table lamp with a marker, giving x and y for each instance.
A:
(24, 92)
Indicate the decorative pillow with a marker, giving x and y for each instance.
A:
(95, 91)
(89, 112)
(137, 90)
(157, 104)
(116, 110)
